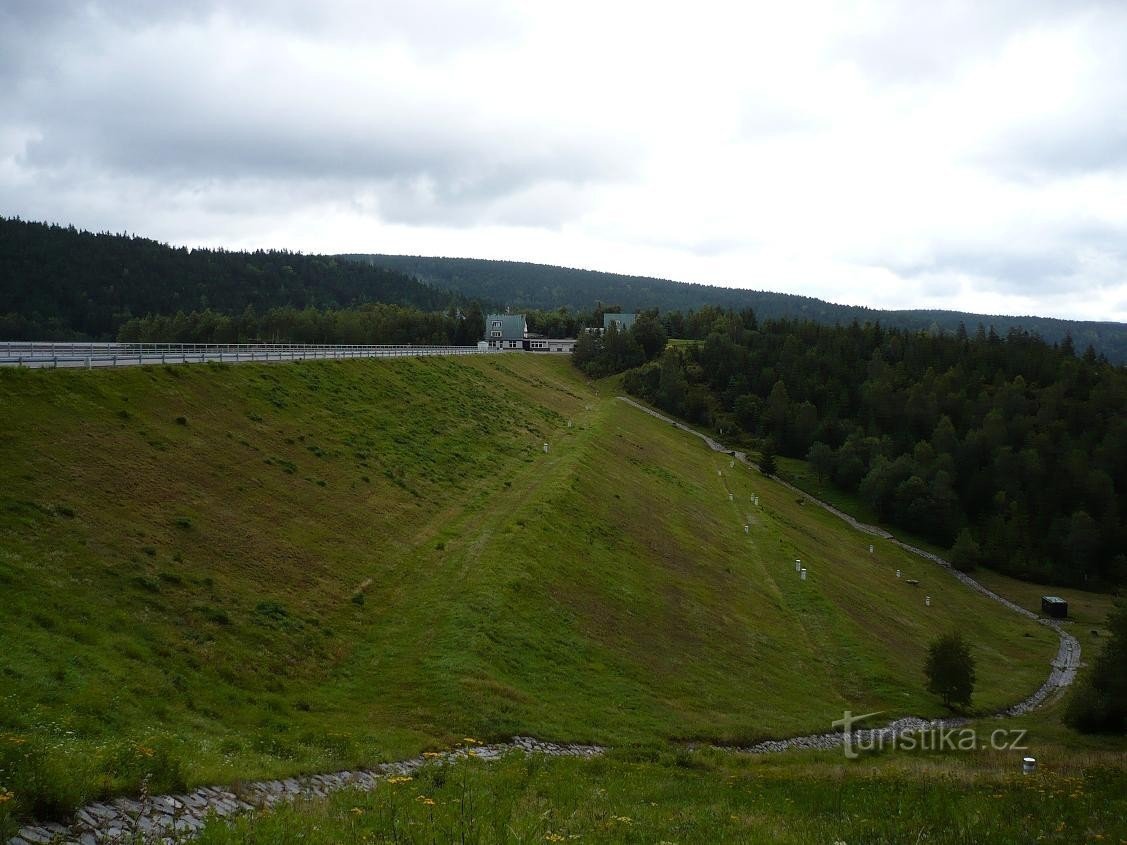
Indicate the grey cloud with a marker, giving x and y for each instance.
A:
(913, 43)
(178, 119)
(1034, 271)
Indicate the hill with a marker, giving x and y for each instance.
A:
(60, 283)
(523, 285)
(214, 573)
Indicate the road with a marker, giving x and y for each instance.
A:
(91, 355)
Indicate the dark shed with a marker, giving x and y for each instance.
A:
(1054, 606)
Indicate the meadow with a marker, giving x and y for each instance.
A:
(215, 573)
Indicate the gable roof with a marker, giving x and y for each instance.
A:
(512, 326)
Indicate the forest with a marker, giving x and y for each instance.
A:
(60, 283)
(524, 286)
(372, 323)
(1002, 448)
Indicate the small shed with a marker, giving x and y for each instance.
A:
(1054, 606)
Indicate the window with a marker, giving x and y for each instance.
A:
(496, 324)
(494, 334)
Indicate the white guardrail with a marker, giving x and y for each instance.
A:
(89, 355)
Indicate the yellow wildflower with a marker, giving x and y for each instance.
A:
(400, 779)
(424, 800)
(5, 797)
(356, 811)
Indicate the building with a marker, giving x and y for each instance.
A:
(621, 322)
(506, 331)
(1054, 606)
(552, 344)
(510, 332)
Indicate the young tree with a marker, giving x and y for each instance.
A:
(767, 460)
(1099, 702)
(950, 669)
(821, 459)
(966, 553)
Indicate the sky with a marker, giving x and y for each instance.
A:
(963, 155)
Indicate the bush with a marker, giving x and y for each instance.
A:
(950, 669)
(41, 785)
(966, 554)
(1099, 703)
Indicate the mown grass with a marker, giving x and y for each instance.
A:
(221, 573)
(686, 797)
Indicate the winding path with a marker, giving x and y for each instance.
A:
(174, 818)
(1064, 665)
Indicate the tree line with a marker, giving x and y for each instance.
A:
(377, 323)
(60, 283)
(525, 286)
(1004, 449)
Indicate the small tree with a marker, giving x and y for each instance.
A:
(767, 461)
(1099, 702)
(821, 459)
(966, 553)
(950, 669)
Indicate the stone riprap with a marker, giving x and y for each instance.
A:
(177, 818)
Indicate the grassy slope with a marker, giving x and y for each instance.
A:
(712, 798)
(332, 563)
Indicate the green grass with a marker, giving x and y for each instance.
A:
(336, 563)
(1086, 609)
(799, 473)
(710, 798)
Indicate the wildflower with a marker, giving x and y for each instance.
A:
(471, 740)
(400, 779)
(5, 797)
(422, 799)
(432, 753)
(145, 751)
(553, 837)
(356, 811)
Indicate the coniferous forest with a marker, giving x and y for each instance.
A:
(60, 283)
(1005, 449)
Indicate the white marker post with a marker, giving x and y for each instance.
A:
(927, 601)
(802, 575)
(545, 448)
(746, 528)
(870, 548)
(731, 497)
(897, 573)
(798, 566)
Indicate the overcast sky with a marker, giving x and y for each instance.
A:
(918, 154)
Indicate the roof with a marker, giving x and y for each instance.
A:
(513, 326)
(1053, 599)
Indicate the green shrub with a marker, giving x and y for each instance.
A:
(42, 783)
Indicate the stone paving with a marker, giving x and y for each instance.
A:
(177, 818)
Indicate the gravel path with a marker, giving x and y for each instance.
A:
(1064, 665)
(176, 818)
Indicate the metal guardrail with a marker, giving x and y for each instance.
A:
(90, 355)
